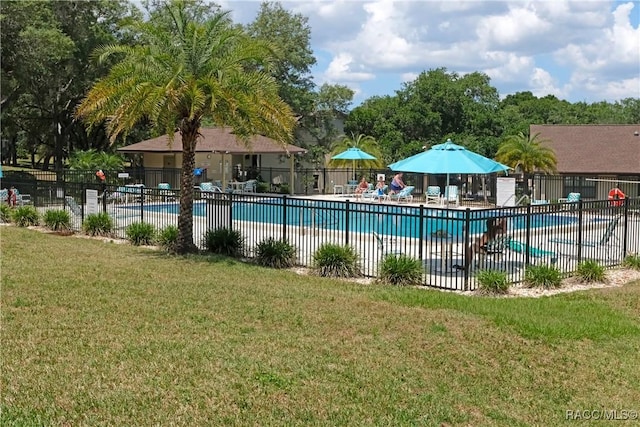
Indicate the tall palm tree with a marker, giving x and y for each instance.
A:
(365, 143)
(527, 154)
(180, 74)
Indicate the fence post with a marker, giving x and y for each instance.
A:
(527, 251)
(284, 217)
(421, 233)
(626, 225)
(142, 195)
(467, 228)
(579, 230)
(347, 206)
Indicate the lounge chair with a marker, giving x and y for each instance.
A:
(73, 205)
(451, 195)
(605, 243)
(571, 198)
(535, 253)
(404, 194)
(250, 186)
(164, 191)
(21, 199)
(207, 188)
(433, 195)
(386, 245)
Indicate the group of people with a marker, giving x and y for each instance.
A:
(395, 187)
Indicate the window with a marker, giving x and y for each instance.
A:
(578, 184)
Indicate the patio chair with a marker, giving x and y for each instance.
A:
(571, 198)
(433, 195)
(21, 199)
(73, 205)
(250, 186)
(164, 191)
(451, 195)
(207, 189)
(404, 194)
(605, 243)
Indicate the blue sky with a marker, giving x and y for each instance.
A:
(576, 50)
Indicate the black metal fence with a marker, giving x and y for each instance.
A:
(560, 234)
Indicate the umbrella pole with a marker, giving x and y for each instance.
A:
(446, 191)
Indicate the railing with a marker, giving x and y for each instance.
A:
(559, 234)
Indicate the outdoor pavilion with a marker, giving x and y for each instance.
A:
(219, 142)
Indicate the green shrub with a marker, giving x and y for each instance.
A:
(284, 188)
(57, 219)
(99, 224)
(632, 261)
(275, 253)
(542, 276)
(5, 212)
(224, 241)
(262, 187)
(332, 260)
(141, 233)
(168, 238)
(25, 216)
(492, 282)
(590, 271)
(400, 270)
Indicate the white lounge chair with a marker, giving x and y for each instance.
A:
(451, 195)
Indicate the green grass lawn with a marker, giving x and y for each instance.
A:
(95, 333)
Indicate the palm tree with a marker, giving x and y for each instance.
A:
(527, 154)
(180, 74)
(366, 143)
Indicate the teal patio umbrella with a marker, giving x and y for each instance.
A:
(447, 159)
(353, 154)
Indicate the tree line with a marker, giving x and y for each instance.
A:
(49, 64)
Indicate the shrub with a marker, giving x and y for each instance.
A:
(25, 216)
(590, 271)
(400, 270)
(632, 261)
(141, 233)
(99, 224)
(332, 260)
(262, 187)
(543, 276)
(224, 241)
(492, 282)
(168, 238)
(275, 253)
(5, 212)
(57, 219)
(284, 188)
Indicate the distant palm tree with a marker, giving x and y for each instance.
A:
(181, 73)
(368, 144)
(526, 154)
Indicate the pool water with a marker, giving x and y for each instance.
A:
(366, 218)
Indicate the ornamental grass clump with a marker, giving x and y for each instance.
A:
(98, 224)
(400, 270)
(57, 220)
(543, 276)
(25, 216)
(632, 261)
(168, 238)
(224, 241)
(590, 271)
(332, 260)
(141, 233)
(492, 282)
(275, 253)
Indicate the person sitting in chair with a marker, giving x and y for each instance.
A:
(396, 184)
(495, 227)
(362, 187)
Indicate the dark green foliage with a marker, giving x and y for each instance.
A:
(224, 241)
(141, 233)
(57, 219)
(168, 238)
(492, 282)
(590, 271)
(275, 253)
(262, 187)
(284, 188)
(25, 216)
(100, 224)
(632, 261)
(543, 276)
(331, 260)
(5, 212)
(400, 270)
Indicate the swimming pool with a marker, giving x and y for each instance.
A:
(366, 218)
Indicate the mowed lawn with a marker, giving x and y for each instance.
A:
(97, 333)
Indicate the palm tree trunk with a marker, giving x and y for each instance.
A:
(189, 132)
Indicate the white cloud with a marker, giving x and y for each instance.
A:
(341, 70)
